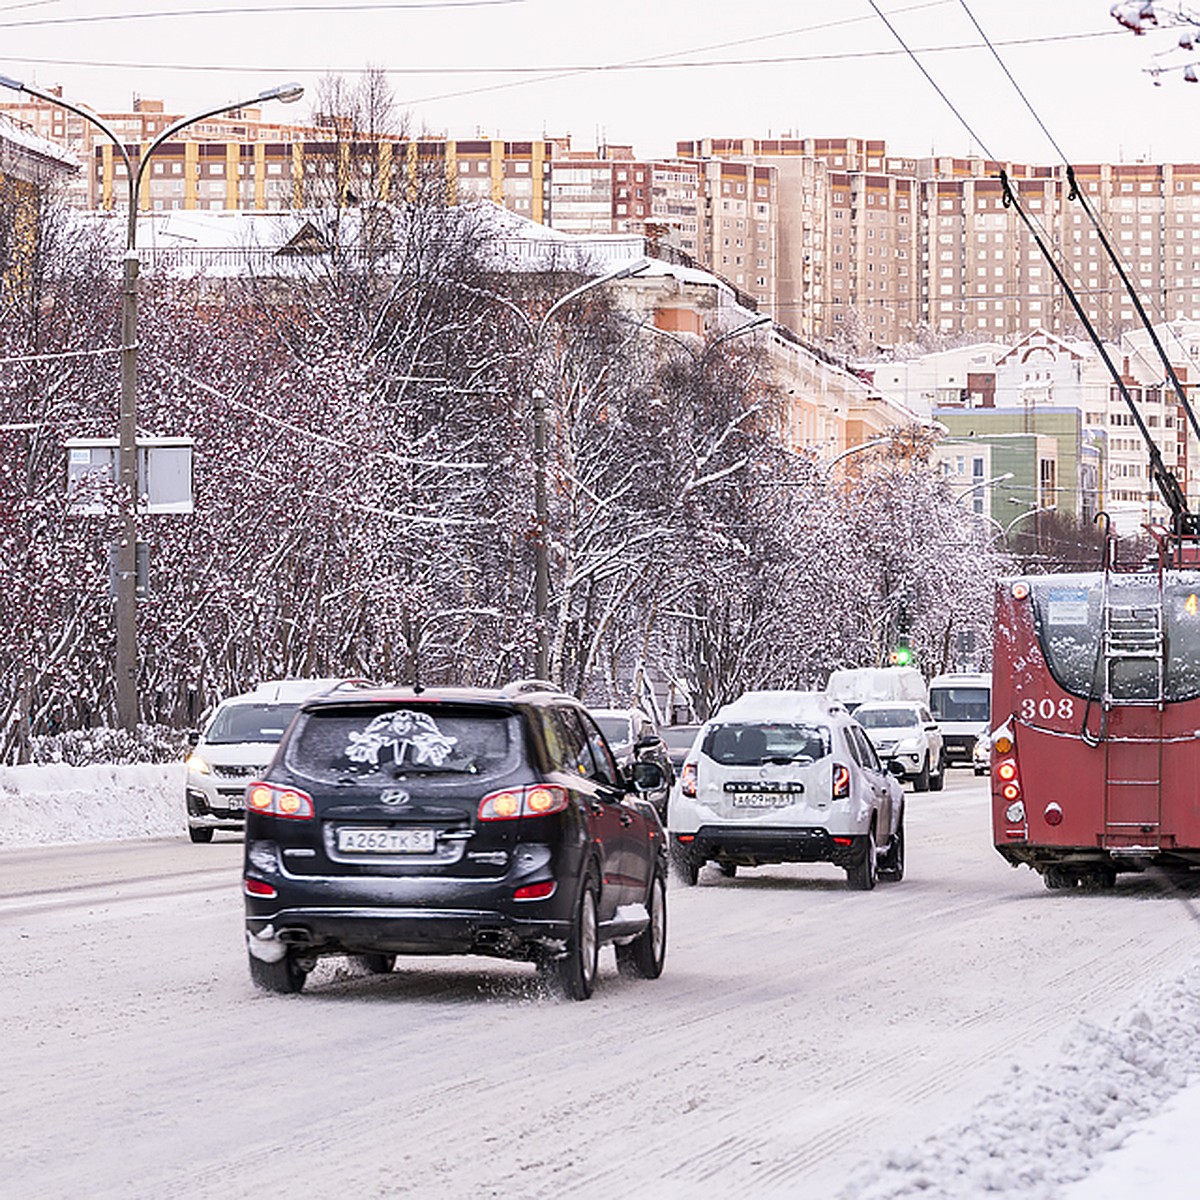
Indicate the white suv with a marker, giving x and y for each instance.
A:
(904, 732)
(235, 747)
(787, 777)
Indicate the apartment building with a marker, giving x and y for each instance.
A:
(27, 161)
(1046, 386)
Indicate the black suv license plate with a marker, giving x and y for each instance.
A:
(363, 840)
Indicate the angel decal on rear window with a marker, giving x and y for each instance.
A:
(409, 735)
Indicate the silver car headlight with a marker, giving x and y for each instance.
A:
(198, 764)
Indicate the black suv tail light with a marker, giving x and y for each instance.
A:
(279, 801)
(532, 800)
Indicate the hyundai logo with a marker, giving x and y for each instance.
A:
(395, 796)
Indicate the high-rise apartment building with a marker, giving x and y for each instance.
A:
(836, 238)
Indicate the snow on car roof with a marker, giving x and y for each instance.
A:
(780, 706)
(285, 691)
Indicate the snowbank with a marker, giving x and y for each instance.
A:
(58, 803)
(1072, 1118)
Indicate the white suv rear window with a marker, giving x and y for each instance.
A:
(748, 745)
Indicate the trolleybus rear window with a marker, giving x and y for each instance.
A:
(1070, 616)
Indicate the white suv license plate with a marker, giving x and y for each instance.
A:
(386, 841)
(761, 799)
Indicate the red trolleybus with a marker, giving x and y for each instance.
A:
(1096, 717)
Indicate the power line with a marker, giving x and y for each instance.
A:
(256, 10)
(546, 73)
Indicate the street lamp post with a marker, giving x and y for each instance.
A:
(127, 498)
(541, 578)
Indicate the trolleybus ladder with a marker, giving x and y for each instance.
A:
(1132, 634)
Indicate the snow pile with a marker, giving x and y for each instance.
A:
(60, 803)
(1042, 1131)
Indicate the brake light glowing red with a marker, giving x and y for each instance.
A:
(279, 802)
(687, 781)
(256, 887)
(535, 891)
(841, 781)
(1007, 772)
(532, 800)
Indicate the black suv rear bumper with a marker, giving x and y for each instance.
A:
(411, 914)
(767, 845)
(403, 931)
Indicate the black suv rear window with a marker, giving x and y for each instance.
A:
(396, 741)
(749, 745)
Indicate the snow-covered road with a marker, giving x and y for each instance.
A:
(804, 1040)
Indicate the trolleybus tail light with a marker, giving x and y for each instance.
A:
(1007, 770)
(1015, 812)
(1002, 743)
(1020, 590)
(841, 781)
(1053, 814)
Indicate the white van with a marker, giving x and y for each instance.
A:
(961, 705)
(859, 684)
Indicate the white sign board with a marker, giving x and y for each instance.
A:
(164, 474)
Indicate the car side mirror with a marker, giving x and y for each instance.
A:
(648, 741)
(646, 776)
(896, 768)
(193, 737)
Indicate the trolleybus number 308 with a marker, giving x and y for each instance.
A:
(1047, 709)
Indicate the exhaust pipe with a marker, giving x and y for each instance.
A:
(295, 937)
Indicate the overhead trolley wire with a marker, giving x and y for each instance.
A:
(1077, 193)
(1168, 485)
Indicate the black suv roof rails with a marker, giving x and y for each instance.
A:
(521, 687)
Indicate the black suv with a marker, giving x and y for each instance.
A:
(452, 821)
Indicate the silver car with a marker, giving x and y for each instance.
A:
(904, 732)
(235, 746)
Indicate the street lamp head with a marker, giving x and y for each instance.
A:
(285, 93)
(634, 268)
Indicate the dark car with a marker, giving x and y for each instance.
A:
(633, 737)
(452, 821)
(679, 740)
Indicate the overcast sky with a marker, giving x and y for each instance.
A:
(646, 73)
